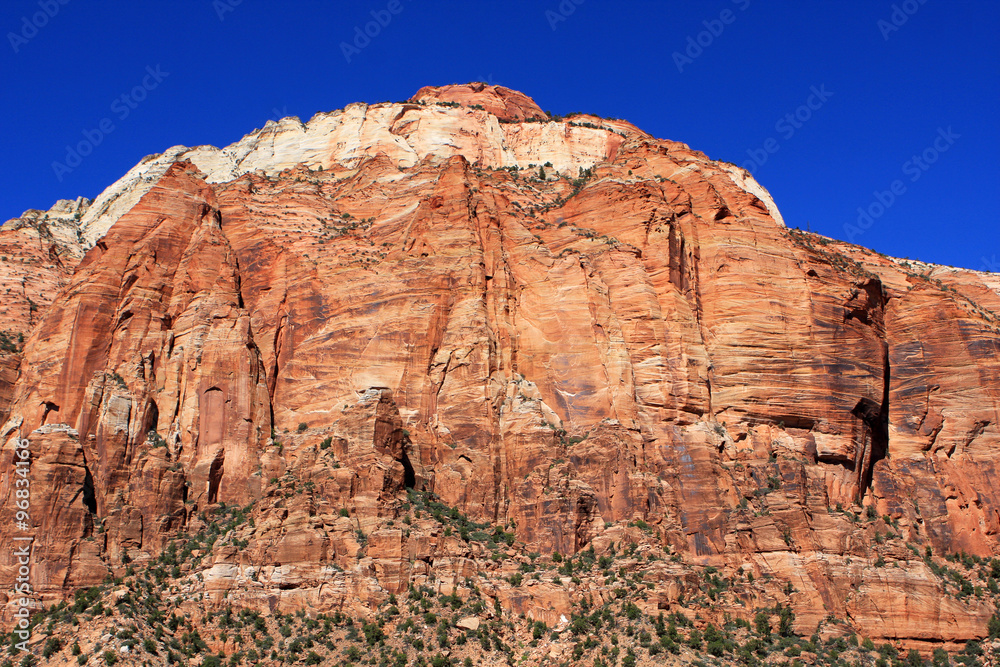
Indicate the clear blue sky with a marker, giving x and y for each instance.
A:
(893, 92)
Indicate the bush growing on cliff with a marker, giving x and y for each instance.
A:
(373, 633)
(785, 619)
(8, 342)
(762, 623)
(993, 627)
(83, 598)
(52, 646)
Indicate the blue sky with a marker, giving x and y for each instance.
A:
(828, 102)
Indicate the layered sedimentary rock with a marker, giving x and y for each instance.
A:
(38, 253)
(559, 327)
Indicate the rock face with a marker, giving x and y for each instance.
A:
(504, 103)
(38, 253)
(560, 326)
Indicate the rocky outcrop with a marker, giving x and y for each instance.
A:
(9, 365)
(566, 329)
(504, 103)
(131, 359)
(38, 253)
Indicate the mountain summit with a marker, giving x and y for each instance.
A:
(530, 368)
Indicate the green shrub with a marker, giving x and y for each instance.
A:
(716, 647)
(785, 619)
(579, 625)
(8, 343)
(373, 633)
(715, 642)
(762, 624)
(52, 646)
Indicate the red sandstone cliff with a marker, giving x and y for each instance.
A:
(636, 337)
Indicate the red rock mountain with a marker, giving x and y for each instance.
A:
(563, 327)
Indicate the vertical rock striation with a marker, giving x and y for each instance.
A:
(564, 326)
